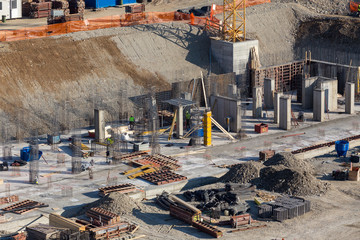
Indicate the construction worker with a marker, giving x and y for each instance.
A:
(132, 122)
(187, 118)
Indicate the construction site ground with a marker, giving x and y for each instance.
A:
(338, 207)
(101, 61)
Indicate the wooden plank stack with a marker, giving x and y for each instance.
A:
(43, 232)
(102, 217)
(77, 6)
(36, 10)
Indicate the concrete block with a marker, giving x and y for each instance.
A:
(330, 86)
(257, 102)
(269, 89)
(285, 113)
(350, 98)
(227, 107)
(319, 105)
(99, 125)
(277, 96)
(234, 57)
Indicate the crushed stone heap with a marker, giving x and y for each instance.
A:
(242, 173)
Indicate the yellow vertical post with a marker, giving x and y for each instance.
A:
(207, 128)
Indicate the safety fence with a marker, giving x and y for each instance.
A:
(211, 23)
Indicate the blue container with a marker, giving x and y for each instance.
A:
(341, 147)
(106, 3)
(53, 139)
(128, 1)
(25, 154)
(198, 133)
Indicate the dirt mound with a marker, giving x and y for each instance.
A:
(115, 202)
(339, 7)
(242, 173)
(287, 159)
(290, 181)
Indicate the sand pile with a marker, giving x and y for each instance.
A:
(115, 202)
(242, 173)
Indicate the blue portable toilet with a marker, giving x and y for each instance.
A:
(25, 154)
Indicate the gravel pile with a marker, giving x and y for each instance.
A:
(283, 173)
(288, 159)
(115, 202)
(290, 181)
(242, 173)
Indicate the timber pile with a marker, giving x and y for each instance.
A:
(36, 10)
(42, 231)
(12, 198)
(102, 217)
(77, 6)
(111, 231)
(24, 206)
(122, 188)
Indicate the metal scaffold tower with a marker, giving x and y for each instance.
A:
(234, 20)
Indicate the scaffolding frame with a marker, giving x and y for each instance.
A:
(234, 20)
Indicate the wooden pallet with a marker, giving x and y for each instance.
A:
(23, 206)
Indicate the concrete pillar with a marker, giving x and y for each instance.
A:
(319, 105)
(232, 91)
(285, 113)
(277, 96)
(99, 125)
(180, 122)
(269, 89)
(186, 96)
(350, 98)
(308, 85)
(257, 102)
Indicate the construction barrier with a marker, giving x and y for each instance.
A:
(117, 21)
(218, 9)
(92, 24)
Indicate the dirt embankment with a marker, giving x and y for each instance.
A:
(62, 79)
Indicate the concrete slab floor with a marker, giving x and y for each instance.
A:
(197, 163)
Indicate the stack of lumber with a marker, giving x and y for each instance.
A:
(42, 231)
(36, 10)
(77, 6)
(61, 222)
(102, 217)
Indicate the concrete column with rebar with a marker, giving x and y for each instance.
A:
(269, 88)
(350, 98)
(257, 102)
(99, 125)
(319, 105)
(285, 113)
(277, 96)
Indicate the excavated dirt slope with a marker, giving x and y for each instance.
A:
(89, 69)
(65, 77)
